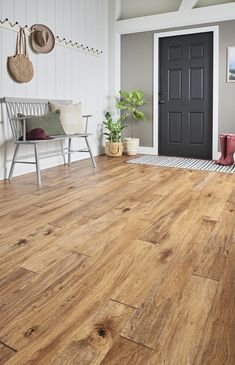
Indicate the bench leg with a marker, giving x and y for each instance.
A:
(90, 152)
(62, 151)
(69, 151)
(37, 164)
(13, 162)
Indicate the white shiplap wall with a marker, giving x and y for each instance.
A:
(61, 74)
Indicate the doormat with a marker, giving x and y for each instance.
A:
(182, 163)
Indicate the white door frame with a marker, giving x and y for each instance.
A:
(157, 36)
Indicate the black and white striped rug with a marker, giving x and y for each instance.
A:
(182, 163)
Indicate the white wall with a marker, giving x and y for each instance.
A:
(63, 73)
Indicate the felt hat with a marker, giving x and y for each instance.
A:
(42, 39)
(37, 134)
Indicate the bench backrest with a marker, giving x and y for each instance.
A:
(26, 107)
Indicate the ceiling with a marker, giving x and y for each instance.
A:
(137, 8)
(202, 3)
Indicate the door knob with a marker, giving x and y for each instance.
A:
(162, 101)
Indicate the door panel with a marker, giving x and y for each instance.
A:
(186, 75)
(196, 82)
(175, 127)
(196, 127)
(175, 84)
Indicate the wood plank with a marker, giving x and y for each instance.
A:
(5, 353)
(122, 229)
(136, 286)
(178, 199)
(80, 299)
(134, 289)
(171, 227)
(212, 260)
(231, 198)
(15, 280)
(45, 259)
(203, 180)
(152, 316)
(181, 336)
(217, 344)
(35, 296)
(93, 341)
(15, 249)
(212, 199)
(12, 289)
(126, 352)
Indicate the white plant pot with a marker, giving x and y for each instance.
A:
(131, 146)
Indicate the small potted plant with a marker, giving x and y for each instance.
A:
(114, 146)
(131, 102)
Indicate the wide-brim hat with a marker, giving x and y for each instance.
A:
(42, 39)
(36, 134)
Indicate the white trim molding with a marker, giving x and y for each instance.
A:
(146, 150)
(114, 65)
(204, 15)
(157, 36)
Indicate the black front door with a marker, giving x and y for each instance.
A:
(185, 95)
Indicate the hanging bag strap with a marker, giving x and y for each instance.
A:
(19, 42)
(21, 45)
(24, 43)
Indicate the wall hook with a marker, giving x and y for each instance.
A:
(60, 41)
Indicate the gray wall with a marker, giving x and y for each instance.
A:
(137, 73)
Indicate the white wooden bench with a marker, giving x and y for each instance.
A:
(32, 107)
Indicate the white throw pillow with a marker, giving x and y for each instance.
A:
(70, 117)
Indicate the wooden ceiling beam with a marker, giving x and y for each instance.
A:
(196, 16)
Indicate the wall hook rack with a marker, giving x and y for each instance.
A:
(6, 24)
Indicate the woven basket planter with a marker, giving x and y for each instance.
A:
(131, 146)
(114, 149)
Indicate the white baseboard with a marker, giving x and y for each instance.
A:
(147, 150)
(217, 156)
(45, 163)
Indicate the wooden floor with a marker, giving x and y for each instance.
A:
(127, 264)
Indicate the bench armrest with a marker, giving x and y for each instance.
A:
(87, 116)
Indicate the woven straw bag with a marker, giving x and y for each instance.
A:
(114, 149)
(20, 66)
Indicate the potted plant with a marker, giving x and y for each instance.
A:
(131, 102)
(114, 146)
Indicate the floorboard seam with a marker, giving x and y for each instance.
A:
(127, 305)
(137, 343)
(205, 277)
(9, 347)
(80, 253)
(34, 272)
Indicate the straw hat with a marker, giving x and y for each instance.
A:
(42, 39)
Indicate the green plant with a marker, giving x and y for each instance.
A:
(114, 129)
(131, 102)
